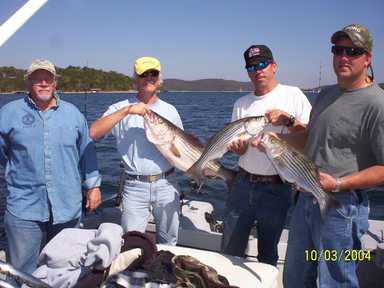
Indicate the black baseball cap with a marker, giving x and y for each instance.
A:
(257, 53)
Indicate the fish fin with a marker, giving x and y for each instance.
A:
(194, 140)
(200, 186)
(193, 171)
(330, 202)
(175, 151)
(209, 173)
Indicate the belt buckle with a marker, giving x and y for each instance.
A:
(253, 178)
(152, 178)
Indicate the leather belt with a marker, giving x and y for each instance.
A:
(151, 178)
(263, 179)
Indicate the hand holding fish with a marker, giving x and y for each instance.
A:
(138, 108)
(277, 117)
(238, 146)
(256, 142)
(93, 198)
(327, 182)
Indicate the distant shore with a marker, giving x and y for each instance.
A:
(131, 91)
(134, 91)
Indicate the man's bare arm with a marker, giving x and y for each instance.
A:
(104, 125)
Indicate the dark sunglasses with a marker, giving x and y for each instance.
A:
(259, 66)
(349, 51)
(151, 73)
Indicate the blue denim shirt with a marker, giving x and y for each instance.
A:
(47, 157)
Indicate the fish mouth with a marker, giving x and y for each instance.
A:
(264, 139)
(152, 118)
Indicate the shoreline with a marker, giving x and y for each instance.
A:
(134, 91)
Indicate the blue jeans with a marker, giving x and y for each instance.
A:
(26, 238)
(312, 241)
(268, 205)
(160, 198)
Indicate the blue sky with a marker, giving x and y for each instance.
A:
(194, 39)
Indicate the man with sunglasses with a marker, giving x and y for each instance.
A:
(345, 139)
(48, 158)
(146, 188)
(258, 193)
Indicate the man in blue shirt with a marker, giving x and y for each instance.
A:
(146, 188)
(48, 156)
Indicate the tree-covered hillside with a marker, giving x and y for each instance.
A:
(70, 79)
(78, 79)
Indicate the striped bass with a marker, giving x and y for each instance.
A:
(181, 150)
(218, 145)
(295, 167)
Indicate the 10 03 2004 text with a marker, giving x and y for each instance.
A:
(332, 255)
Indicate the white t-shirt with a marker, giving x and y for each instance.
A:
(140, 156)
(286, 98)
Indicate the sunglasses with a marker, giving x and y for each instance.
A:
(151, 73)
(349, 51)
(259, 66)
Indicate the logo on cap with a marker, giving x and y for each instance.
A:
(254, 51)
(353, 28)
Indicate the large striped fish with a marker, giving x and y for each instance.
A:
(182, 150)
(218, 145)
(295, 167)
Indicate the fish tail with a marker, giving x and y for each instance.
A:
(228, 175)
(328, 203)
(195, 172)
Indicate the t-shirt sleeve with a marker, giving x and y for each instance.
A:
(178, 121)
(376, 137)
(235, 112)
(303, 107)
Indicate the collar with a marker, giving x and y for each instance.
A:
(31, 102)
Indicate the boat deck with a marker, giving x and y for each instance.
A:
(195, 233)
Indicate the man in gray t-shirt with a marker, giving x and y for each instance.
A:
(344, 138)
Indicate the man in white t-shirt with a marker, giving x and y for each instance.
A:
(146, 188)
(258, 193)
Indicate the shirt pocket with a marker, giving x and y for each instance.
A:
(68, 136)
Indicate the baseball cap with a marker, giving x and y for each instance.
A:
(257, 53)
(146, 63)
(42, 64)
(358, 34)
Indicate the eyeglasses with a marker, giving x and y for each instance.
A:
(349, 51)
(38, 81)
(259, 66)
(150, 73)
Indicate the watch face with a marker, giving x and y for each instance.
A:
(291, 121)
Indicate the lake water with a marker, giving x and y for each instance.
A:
(202, 113)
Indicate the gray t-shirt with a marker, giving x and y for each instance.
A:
(346, 130)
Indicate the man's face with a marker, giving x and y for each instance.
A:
(41, 85)
(264, 76)
(350, 67)
(148, 82)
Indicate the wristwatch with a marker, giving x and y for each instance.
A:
(291, 121)
(338, 183)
